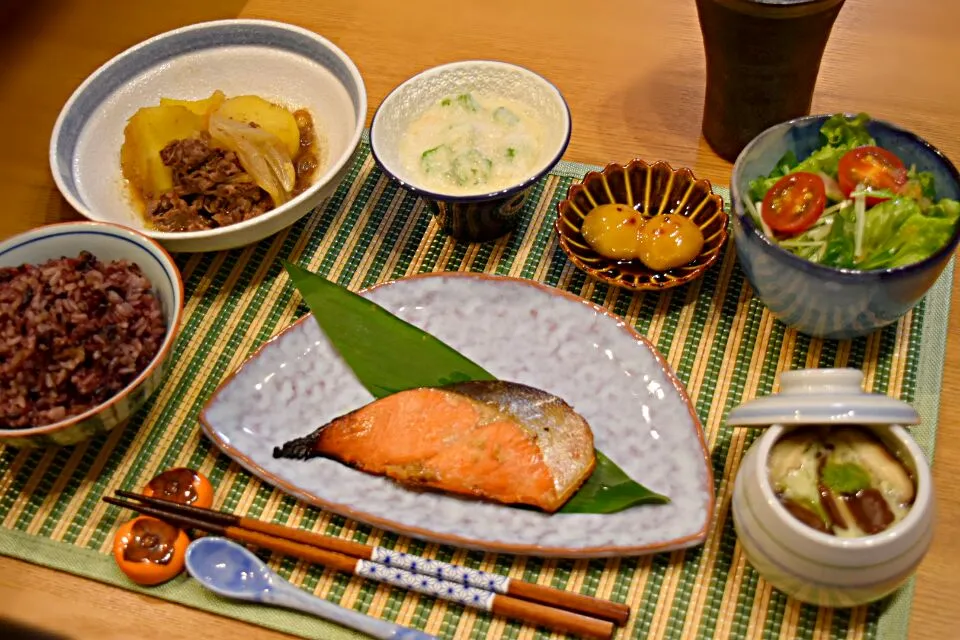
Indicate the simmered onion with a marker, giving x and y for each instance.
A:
(262, 154)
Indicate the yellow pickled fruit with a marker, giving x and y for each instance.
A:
(669, 241)
(614, 231)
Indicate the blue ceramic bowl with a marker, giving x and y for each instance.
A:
(824, 301)
(482, 216)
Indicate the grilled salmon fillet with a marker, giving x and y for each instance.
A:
(496, 440)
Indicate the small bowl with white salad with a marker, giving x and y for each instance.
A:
(472, 138)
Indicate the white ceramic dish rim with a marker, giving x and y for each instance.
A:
(480, 197)
(173, 330)
(889, 537)
(351, 512)
(319, 182)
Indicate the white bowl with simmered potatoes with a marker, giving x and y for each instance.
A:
(213, 136)
(642, 226)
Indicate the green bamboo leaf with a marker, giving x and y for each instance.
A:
(608, 490)
(388, 354)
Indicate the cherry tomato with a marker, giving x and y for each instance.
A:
(182, 485)
(873, 168)
(150, 551)
(794, 203)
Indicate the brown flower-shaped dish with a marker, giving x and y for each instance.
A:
(651, 190)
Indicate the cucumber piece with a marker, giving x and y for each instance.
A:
(436, 160)
(467, 101)
(471, 168)
(502, 115)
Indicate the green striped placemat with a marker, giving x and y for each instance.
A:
(719, 339)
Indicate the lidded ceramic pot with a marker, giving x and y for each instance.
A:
(847, 566)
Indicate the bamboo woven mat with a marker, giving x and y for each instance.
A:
(716, 335)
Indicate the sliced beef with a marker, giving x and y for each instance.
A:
(210, 188)
(170, 212)
(236, 202)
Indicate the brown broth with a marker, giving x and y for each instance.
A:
(307, 160)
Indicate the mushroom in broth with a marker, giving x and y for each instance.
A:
(841, 481)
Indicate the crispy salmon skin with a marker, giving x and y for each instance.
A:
(496, 440)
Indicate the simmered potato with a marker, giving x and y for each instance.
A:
(202, 107)
(266, 115)
(146, 134)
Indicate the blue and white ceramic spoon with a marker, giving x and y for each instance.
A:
(230, 570)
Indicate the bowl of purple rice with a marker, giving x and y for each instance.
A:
(89, 313)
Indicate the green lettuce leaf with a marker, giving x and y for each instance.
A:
(840, 241)
(946, 208)
(899, 233)
(759, 186)
(896, 232)
(882, 239)
(840, 131)
(924, 182)
(388, 354)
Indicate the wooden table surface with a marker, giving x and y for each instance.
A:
(633, 74)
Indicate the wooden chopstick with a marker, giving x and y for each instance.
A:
(497, 604)
(595, 607)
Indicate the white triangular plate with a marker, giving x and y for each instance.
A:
(517, 330)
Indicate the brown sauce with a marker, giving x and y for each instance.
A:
(151, 541)
(177, 485)
(307, 160)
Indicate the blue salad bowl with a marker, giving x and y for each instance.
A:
(823, 301)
